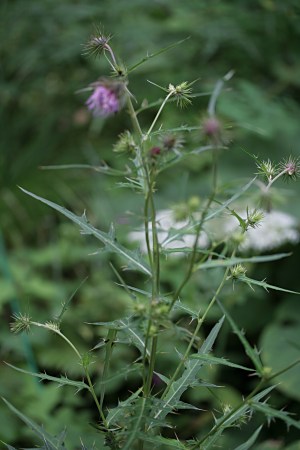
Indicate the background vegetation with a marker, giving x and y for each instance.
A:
(44, 122)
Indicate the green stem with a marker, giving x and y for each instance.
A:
(158, 114)
(197, 329)
(151, 366)
(153, 253)
(198, 231)
(234, 410)
(59, 333)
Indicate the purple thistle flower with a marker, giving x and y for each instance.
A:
(211, 127)
(103, 102)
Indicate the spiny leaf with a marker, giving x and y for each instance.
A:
(152, 55)
(264, 285)
(250, 442)
(227, 262)
(115, 414)
(111, 335)
(130, 328)
(248, 349)
(137, 418)
(188, 377)
(213, 360)
(104, 168)
(272, 413)
(60, 380)
(164, 442)
(9, 447)
(51, 442)
(230, 419)
(105, 238)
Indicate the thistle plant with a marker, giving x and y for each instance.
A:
(148, 417)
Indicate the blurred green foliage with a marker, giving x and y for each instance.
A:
(44, 121)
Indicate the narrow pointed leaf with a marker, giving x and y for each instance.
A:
(101, 169)
(152, 55)
(129, 328)
(105, 238)
(39, 431)
(60, 380)
(231, 419)
(138, 419)
(250, 442)
(248, 349)
(189, 376)
(209, 359)
(9, 447)
(272, 413)
(264, 285)
(161, 442)
(227, 262)
(115, 413)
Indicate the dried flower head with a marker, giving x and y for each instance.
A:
(106, 99)
(97, 43)
(171, 142)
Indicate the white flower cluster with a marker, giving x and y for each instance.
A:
(276, 229)
(165, 223)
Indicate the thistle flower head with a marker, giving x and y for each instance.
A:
(291, 168)
(155, 151)
(237, 271)
(211, 127)
(254, 218)
(182, 93)
(267, 169)
(22, 322)
(106, 99)
(125, 143)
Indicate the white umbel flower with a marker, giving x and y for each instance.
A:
(276, 229)
(165, 222)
